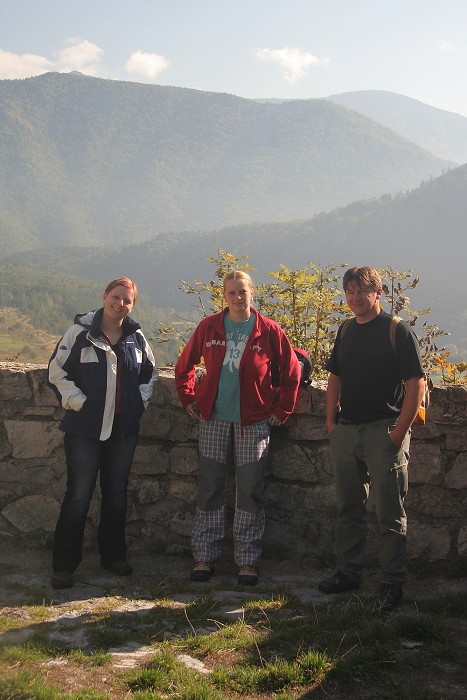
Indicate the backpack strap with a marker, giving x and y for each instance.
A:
(345, 325)
(395, 320)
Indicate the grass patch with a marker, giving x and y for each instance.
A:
(14, 618)
(280, 650)
(37, 649)
(237, 636)
(27, 686)
(307, 670)
(273, 603)
(447, 569)
(40, 648)
(165, 677)
(452, 605)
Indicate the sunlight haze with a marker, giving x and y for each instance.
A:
(289, 49)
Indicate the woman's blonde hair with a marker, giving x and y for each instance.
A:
(238, 275)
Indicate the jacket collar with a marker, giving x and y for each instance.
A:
(92, 321)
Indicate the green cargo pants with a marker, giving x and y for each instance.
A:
(363, 455)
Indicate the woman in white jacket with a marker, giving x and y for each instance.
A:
(102, 372)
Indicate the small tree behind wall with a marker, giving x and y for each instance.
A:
(309, 304)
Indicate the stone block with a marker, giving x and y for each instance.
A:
(181, 523)
(166, 388)
(289, 498)
(150, 459)
(30, 439)
(309, 428)
(40, 412)
(5, 446)
(169, 424)
(146, 491)
(456, 478)
(456, 437)
(428, 500)
(304, 404)
(426, 462)
(321, 498)
(297, 462)
(184, 460)
(14, 385)
(155, 422)
(184, 490)
(427, 542)
(15, 473)
(42, 394)
(462, 541)
(448, 405)
(318, 397)
(32, 513)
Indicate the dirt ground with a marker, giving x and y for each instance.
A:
(25, 580)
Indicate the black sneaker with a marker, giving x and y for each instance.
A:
(386, 597)
(339, 583)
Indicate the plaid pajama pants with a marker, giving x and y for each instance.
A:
(249, 445)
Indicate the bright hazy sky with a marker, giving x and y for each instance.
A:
(250, 48)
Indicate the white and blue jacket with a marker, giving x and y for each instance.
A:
(83, 375)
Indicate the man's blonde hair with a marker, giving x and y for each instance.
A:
(362, 277)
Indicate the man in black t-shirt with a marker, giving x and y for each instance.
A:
(374, 392)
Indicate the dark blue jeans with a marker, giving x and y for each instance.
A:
(85, 457)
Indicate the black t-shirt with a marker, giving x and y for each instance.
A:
(372, 375)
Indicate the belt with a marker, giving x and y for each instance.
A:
(383, 421)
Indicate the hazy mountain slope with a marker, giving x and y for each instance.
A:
(424, 231)
(98, 162)
(441, 132)
(51, 301)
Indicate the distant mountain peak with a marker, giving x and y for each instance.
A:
(441, 132)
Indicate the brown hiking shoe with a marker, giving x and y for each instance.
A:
(202, 571)
(248, 576)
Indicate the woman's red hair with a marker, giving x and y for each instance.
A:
(123, 282)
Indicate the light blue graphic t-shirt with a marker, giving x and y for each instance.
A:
(227, 406)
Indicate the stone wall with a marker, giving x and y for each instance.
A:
(299, 484)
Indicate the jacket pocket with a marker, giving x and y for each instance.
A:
(88, 354)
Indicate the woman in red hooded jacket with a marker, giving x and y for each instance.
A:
(235, 404)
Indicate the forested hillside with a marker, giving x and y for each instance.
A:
(37, 307)
(423, 230)
(88, 162)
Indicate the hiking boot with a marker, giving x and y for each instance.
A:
(61, 579)
(202, 571)
(386, 597)
(248, 576)
(338, 583)
(120, 567)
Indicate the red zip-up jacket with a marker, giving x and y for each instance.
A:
(267, 344)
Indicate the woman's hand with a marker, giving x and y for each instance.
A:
(273, 420)
(192, 410)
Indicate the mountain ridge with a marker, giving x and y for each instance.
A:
(441, 132)
(88, 161)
